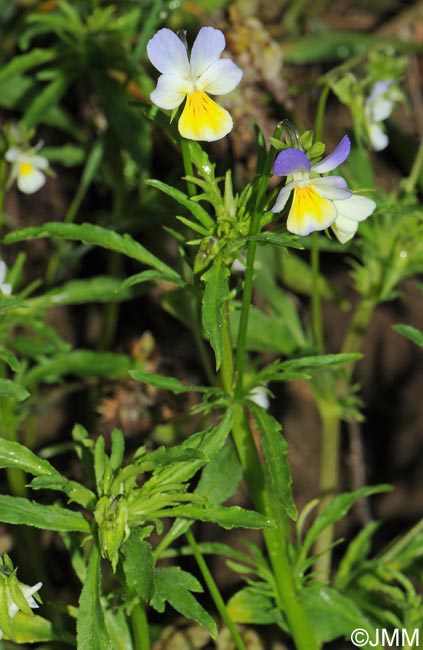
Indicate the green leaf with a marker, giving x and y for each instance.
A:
(175, 586)
(194, 208)
(356, 553)
(25, 62)
(75, 491)
(13, 390)
(82, 363)
(33, 629)
(9, 388)
(68, 155)
(91, 632)
(151, 276)
(7, 303)
(221, 476)
(17, 510)
(138, 566)
(332, 615)
(47, 97)
(336, 510)
(233, 517)
(13, 454)
(99, 289)
(411, 333)
(12, 361)
(266, 332)
(253, 607)
(166, 383)
(276, 450)
(275, 239)
(321, 360)
(215, 298)
(90, 234)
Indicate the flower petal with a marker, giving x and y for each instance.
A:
(310, 212)
(6, 288)
(39, 161)
(377, 136)
(31, 182)
(289, 161)
(379, 106)
(283, 197)
(357, 207)
(221, 77)
(170, 91)
(168, 54)
(336, 158)
(207, 48)
(331, 187)
(12, 154)
(203, 119)
(3, 269)
(344, 228)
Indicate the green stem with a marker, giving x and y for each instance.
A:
(410, 183)
(316, 303)
(328, 485)
(214, 591)
(320, 113)
(189, 171)
(276, 539)
(140, 631)
(2, 190)
(331, 427)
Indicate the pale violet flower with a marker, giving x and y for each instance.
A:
(378, 107)
(194, 79)
(27, 169)
(27, 593)
(318, 201)
(5, 288)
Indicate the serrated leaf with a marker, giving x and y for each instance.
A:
(90, 234)
(215, 298)
(276, 450)
(411, 333)
(13, 390)
(50, 95)
(356, 552)
(24, 62)
(151, 276)
(138, 566)
(175, 586)
(321, 360)
(91, 628)
(221, 476)
(17, 510)
(9, 358)
(13, 454)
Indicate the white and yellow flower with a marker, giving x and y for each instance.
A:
(194, 79)
(5, 288)
(27, 169)
(319, 202)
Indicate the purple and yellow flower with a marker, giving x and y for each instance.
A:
(194, 79)
(318, 201)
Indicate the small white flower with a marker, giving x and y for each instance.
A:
(27, 169)
(259, 396)
(5, 288)
(28, 593)
(378, 107)
(350, 212)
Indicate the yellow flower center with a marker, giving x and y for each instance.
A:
(203, 119)
(310, 211)
(26, 168)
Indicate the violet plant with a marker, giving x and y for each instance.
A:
(127, 515)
